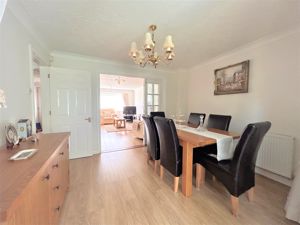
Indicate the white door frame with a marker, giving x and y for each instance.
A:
(160, 81)
(98, 99)
(33, 55)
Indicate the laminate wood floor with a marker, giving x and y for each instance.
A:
(121, 140)
(121, 188)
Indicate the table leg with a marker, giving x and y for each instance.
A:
(187, 169)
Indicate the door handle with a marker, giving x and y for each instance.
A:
(89, 119)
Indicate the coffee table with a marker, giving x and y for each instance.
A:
(119, 122)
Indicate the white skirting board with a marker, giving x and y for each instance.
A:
(274, 176)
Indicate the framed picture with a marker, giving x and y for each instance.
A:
(232, 79)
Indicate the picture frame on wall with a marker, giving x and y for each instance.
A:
(232, 79)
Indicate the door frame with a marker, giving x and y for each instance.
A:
(99, 97)
(160, 80)
(33, 56)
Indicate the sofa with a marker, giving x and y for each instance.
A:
(107, 116)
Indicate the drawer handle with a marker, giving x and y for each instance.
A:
(57, 209)
(55, 165)
(46, 177)
(57, 187)
(61, 153)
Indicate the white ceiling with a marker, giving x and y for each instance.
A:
(201, 29)
(120, 82)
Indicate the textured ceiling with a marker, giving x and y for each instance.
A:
(201, 29)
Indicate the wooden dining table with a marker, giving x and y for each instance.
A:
(189, 141)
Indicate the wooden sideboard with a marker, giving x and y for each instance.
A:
(32, 191)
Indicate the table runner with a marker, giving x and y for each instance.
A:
(225, 145)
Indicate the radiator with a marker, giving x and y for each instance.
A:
(276, 154)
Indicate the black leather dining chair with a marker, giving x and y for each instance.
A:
(238, 174)
(194, 119)
(161, 114)
(220, 122)
(170, 150)
(153, 148)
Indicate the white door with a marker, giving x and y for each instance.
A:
(70, 107)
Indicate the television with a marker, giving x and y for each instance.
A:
(129, 110)
(129, 113)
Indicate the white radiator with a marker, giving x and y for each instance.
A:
(276, 154)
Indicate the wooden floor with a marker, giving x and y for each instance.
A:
(121, 188)
(116, 141)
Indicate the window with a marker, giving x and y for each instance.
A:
(111, 100)
(153, 97)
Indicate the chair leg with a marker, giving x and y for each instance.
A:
(234, 205)
(176, 182)
(214, 178)
(250, 194)
(200, 175)
(148, 157)
(161, 172)
(156, 164)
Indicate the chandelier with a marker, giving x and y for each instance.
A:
(119, 80)
(148, 55)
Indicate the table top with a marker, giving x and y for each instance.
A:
(199, 140)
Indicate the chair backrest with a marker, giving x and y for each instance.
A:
(221, 122)
(194, 119)
(161, 114)
(170, 150)
(152, 137)
(244, 158)
(129, 110)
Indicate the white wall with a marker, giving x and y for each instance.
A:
(15, 71)
(274, 86)
(139, 100)
(97, 66)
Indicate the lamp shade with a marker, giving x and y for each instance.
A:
(133, 47)
(2, 8)
(133, 50)
(149, 44)
(168, 45)
(148, 39)
(2, 99)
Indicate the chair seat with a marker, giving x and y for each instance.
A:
(213, 165)
(209, 149)
(221, 170)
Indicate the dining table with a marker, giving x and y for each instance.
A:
(189, 141)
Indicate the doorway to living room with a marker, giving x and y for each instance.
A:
(121, 107)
